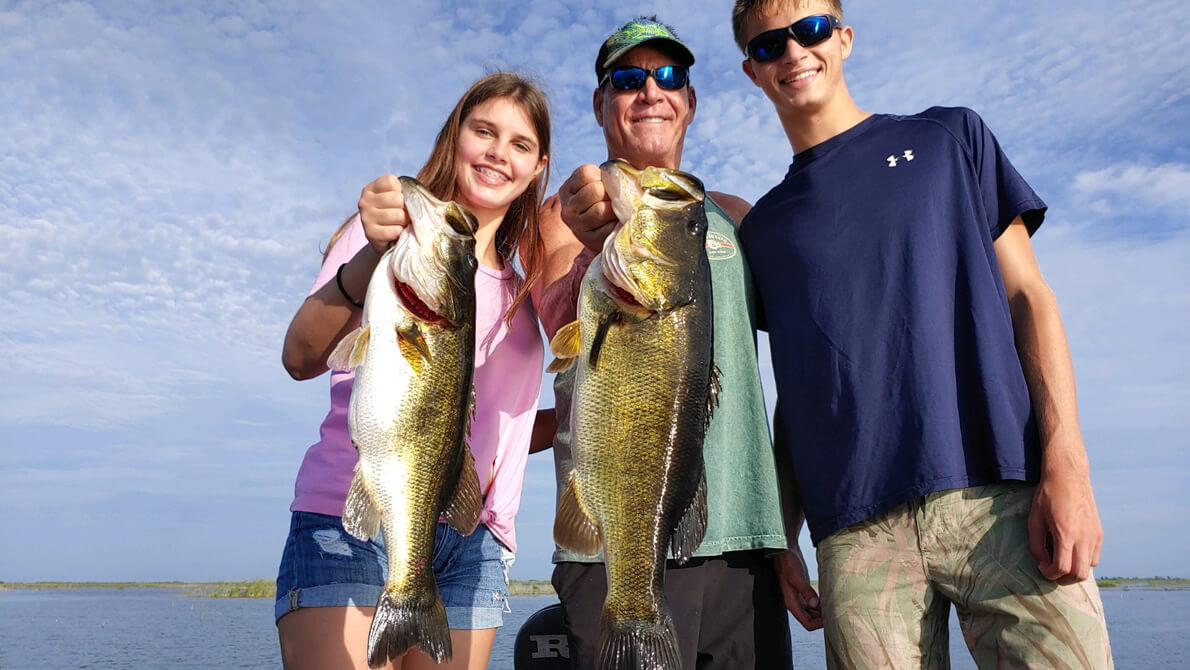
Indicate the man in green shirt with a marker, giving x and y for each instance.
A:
(726, 601)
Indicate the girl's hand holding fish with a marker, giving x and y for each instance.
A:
(382, 211)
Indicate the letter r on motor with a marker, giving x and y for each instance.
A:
(550, 646)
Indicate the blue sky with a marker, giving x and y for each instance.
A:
(168, 175)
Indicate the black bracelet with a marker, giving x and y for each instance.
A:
(339, 282)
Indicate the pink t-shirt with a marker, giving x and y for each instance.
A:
(507, 383)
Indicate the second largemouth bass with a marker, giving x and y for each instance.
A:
(645, 384)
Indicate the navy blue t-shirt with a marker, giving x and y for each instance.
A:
(892, 340)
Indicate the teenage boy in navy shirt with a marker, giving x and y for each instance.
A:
(926, 392)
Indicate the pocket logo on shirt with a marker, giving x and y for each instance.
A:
(719, 247)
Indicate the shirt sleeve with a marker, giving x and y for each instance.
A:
(344, 248)
(1006, 194)
(559, 300)
(759, 320)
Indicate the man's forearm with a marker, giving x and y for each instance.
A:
(559, 301)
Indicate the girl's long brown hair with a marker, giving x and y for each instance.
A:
(520, 227)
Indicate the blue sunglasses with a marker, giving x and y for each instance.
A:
(770, 45)
(632, 78)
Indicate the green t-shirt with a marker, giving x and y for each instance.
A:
(743, 503)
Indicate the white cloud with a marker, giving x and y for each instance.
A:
(1126, 188)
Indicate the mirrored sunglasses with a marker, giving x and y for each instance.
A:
(632, 78)
(770, 45)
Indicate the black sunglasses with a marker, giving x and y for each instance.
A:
(632, 78)
(770, 44)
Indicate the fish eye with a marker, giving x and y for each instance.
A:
(694, 226)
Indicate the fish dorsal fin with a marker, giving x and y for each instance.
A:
(573, 527)
(566, 344)
(462, 513)
(714, 388)
(349, 352)
(361, 514)
(692, 526)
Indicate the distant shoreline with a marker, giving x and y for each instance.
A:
(265, 588)
(249, 588)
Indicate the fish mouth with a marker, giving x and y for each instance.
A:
(642, 199)
(624, 296)
(426, 255)
(419, 309)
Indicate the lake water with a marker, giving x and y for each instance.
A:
(164, 628)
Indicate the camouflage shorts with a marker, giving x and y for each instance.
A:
(887, 585)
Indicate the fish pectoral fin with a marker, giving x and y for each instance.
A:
(573, 528)
(361, 514)
(692, 526)
(408, 334)
(566, 345)
(349, 352)
(714, 388)
(605, 324)
(465, 507)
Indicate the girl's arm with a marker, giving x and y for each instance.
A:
(323, 317)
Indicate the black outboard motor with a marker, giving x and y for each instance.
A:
(541, 643)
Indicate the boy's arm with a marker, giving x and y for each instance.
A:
(792, 575)
(1064, 509)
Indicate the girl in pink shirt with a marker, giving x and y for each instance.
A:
(491, 156)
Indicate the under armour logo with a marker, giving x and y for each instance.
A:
(893, 159)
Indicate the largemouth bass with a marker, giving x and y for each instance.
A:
(645, 384)
(411, 403)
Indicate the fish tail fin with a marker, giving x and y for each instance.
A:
(404, 620)
(627, 645)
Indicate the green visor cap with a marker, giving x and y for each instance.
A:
(635, 33)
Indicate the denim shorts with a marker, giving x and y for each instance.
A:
(324, 566)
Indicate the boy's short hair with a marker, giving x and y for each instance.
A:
(747, 9)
